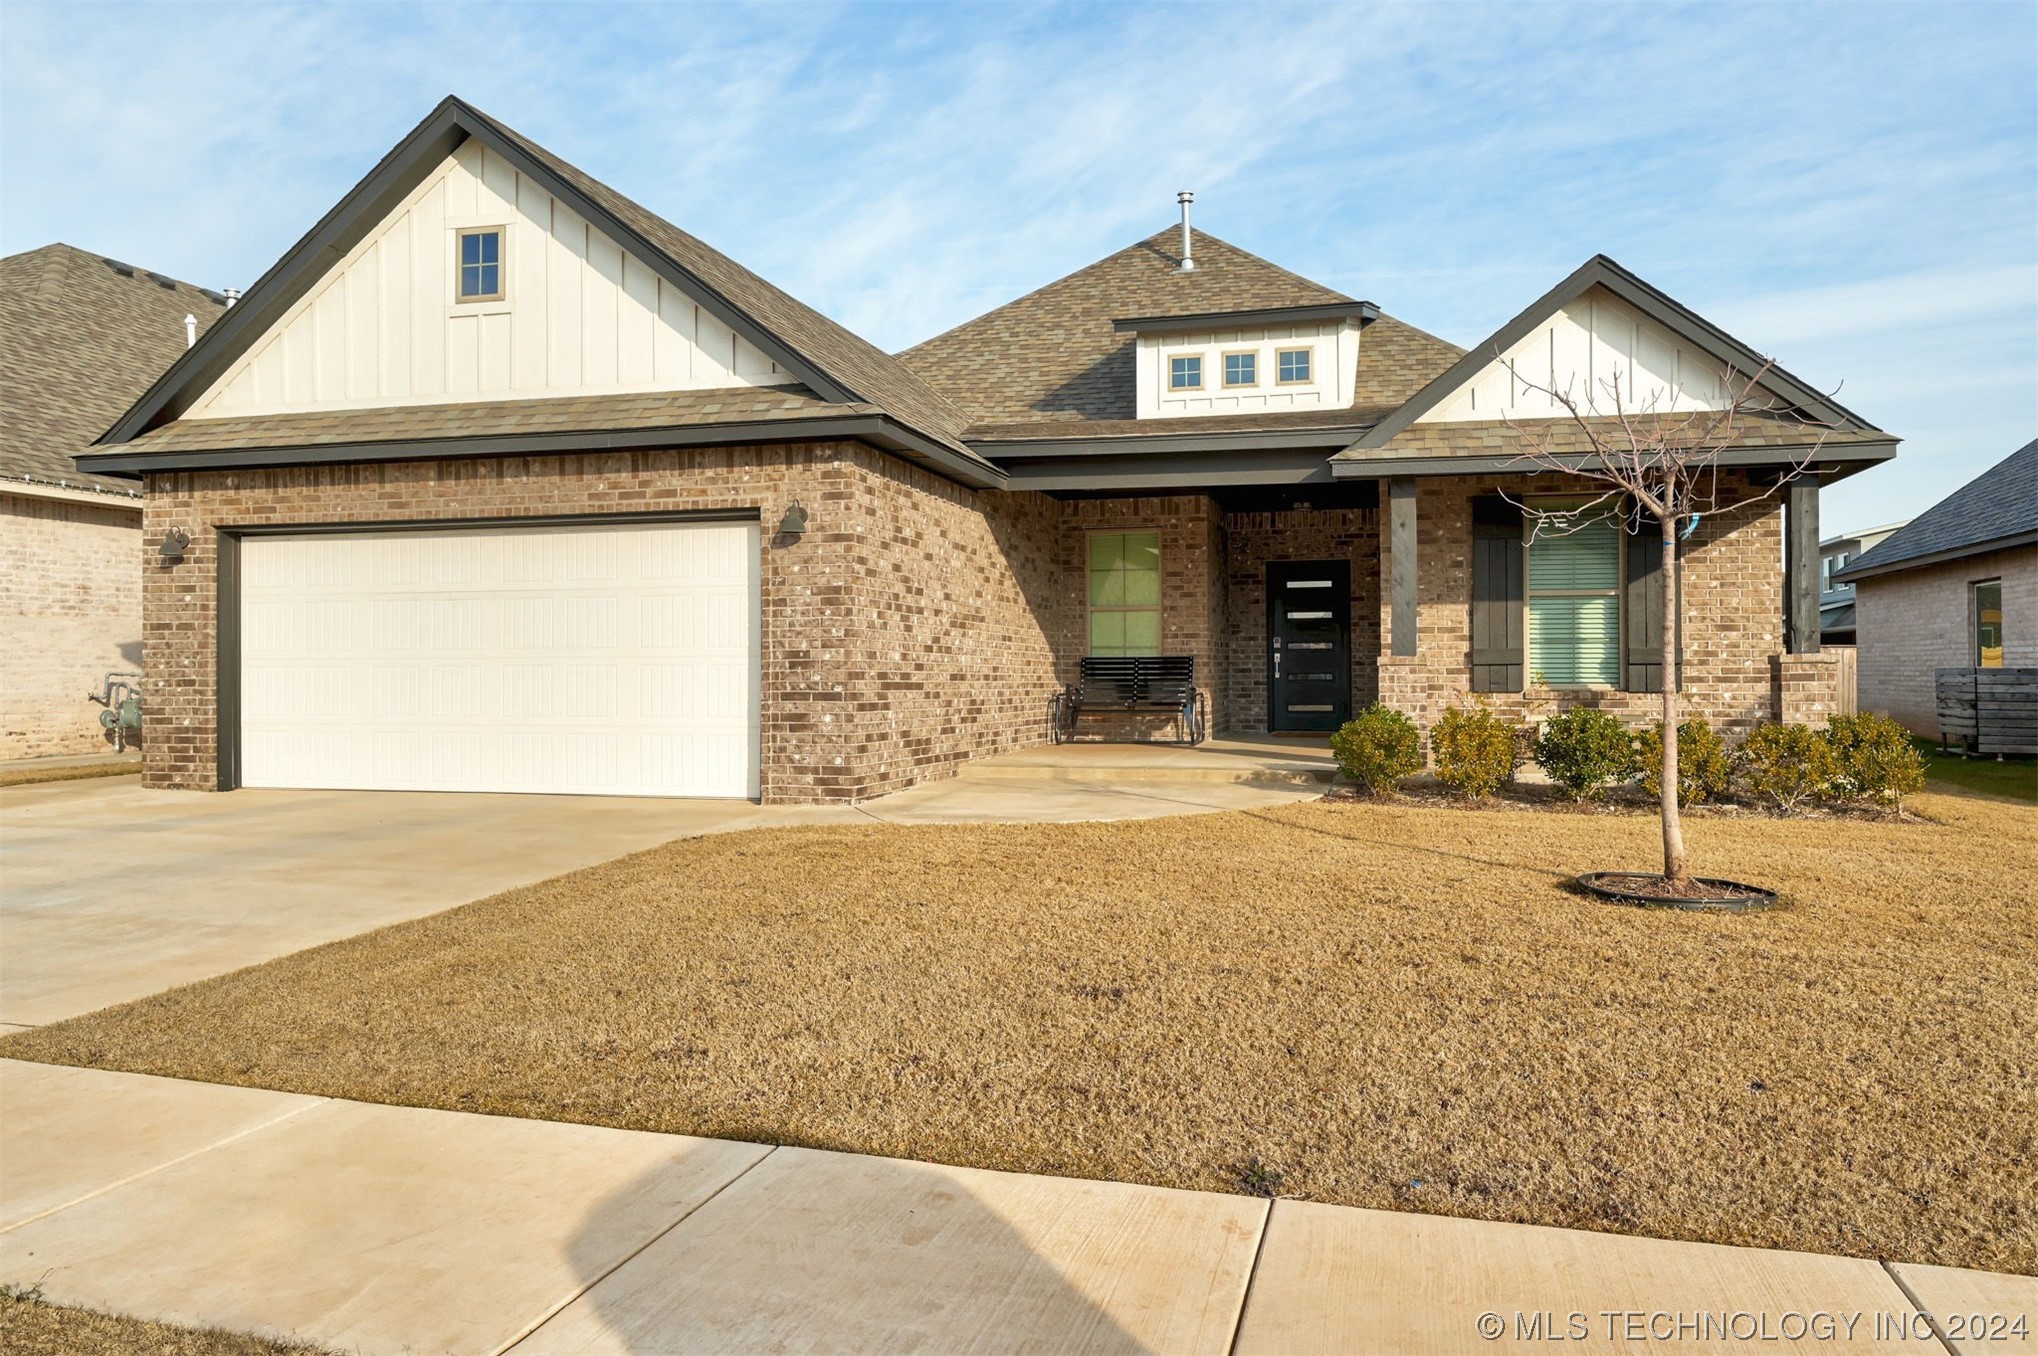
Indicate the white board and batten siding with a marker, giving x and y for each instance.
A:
(1334, 359)
(579, 316)
(1581, 351)
(585, 659)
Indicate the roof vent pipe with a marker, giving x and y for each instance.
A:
(1185, 197)
(232, 295)
(190, 330)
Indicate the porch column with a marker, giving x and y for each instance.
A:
(1402, 562)
(1801, 565)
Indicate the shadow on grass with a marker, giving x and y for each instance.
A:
(1407, 847)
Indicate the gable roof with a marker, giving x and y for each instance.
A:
(1059, 356)
(1600, 271)
(835, 365)
(81, 336)
(1996, 510)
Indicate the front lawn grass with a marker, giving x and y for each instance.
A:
(1390, 1005)
(2016, 778)
(31, 1327)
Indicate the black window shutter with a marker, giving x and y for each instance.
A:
(1642, 611)
(1498, 596)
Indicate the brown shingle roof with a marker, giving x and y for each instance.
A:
(1396, 360)
(852, 361)
(1494, 437)
(495, 418)
(79, 342)
(1053, 355)
(1350, 417)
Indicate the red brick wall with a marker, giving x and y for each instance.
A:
(909, 629)
(1732, 572)
(71, 611)
(1914, 621)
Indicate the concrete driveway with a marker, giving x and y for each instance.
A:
(109, 892)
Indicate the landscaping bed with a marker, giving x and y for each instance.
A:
(1378, 1004)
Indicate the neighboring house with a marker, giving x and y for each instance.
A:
(1836, 600)
(81, 337)
(497, 481)
(1956, 587)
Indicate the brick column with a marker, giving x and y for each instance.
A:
(1808, 687)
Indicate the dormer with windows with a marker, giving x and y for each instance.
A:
(1244, 362)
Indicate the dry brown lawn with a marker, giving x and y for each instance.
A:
(1389, 1005)
(30, 1327)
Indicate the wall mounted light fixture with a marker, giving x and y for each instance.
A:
(174, 543)
(794, 520)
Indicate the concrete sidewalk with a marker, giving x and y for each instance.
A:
(394, 1229)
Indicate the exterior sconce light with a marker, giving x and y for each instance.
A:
(794, 521)
(174, 543)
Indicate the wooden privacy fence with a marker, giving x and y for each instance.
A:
(1846, 681)
(1988, 710)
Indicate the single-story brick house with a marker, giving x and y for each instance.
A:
(499, 481)
(1956, 587)
(81, 337)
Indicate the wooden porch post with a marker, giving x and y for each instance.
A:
(1801, 565)
(1401, 551)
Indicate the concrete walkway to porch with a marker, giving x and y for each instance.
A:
(1062, 783)
(396, 1229)
(1247, 759)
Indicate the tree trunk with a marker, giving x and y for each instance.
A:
(1675, 867)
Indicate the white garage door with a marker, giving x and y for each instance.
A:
(596, 660)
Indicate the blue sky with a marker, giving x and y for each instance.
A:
(1852, 188)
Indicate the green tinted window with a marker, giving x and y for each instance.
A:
(1125, 593)
(1574, 604)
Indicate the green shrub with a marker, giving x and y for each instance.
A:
(1475, 751)
(1875, 757)
(1704, 767)
(1788, 765)
(1378, 747)
(1584, 750)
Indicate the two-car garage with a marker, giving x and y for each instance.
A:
(595, 657)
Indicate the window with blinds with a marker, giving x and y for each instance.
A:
(1574, 588)
(1125, 593)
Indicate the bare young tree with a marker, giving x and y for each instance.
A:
(1642, 461)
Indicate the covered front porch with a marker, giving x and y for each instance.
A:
(1273, 593)
(1302, 604)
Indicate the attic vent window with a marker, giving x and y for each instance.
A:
(481, 265)
(1185, 374)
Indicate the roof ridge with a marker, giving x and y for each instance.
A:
(1333, 294)
(1197, 233)
(77, 253)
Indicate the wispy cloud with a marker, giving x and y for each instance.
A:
(1850, 187)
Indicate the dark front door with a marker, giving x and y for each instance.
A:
(1309, 653)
